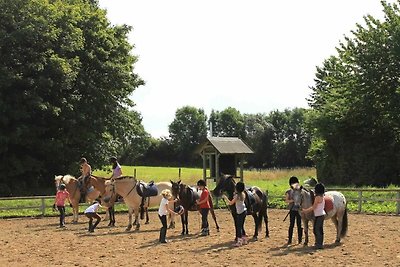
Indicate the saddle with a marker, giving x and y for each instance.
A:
(149, 190)
(250, 201)
(328, 203)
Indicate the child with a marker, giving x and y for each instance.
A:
(91, 212)
(293, 212)
(163, 211)
(117, 171)
(86, 171)
(61, 196)
(319, 213)
(241, 212)
(204, 207)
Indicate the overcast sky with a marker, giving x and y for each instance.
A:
(254, 55)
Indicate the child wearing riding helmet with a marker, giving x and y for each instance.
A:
(116, 168)
(319, 213)
(294, 214)
(59, 201)
(204, 206)
(163, 211)
(241, 211)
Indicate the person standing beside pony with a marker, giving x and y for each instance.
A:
(319, 213)
(241, 212)
(59, 201)
(204, 207)
(294, 214)
(162, 213)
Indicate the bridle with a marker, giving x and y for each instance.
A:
(112, 184)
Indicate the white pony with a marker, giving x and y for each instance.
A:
(126, 187)
(72, 186)
(337, 211)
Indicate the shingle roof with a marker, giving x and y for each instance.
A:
(228, 145)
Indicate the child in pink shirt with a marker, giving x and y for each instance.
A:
(59, 201)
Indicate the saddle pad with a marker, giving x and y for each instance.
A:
(328, 203)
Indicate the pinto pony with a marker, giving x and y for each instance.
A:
(72, 186)
(337, 210)
(258, 210)
(125, 186)
(187, 196)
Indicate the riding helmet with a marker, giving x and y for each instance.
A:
(319, 189)
(61, 187)
(239, 187)
(201, 183)
(293, 180)
(113, 159)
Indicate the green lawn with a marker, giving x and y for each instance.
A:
(275, 181)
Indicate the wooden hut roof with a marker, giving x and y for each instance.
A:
(227, 145)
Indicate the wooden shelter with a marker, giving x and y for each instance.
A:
(223, 155)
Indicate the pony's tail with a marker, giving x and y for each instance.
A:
(344, 224)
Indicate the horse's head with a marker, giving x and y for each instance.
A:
(175, 188)
(297, 190)
(109, 191)
(311, 182)
(58, 180)
(226, 183)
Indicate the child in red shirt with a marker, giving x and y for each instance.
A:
(61, 196)
(204, 207)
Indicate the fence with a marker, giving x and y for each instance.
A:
(360, 199)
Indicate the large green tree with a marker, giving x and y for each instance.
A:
(187, 131)
(65, 78)
(356, 106)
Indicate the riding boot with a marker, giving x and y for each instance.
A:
(300, 235)
(290, 235)
(90, 226)
(95, 224)
(163, 233)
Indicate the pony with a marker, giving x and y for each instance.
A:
(187, 196)
(72, 186)
(126, 186)
(259, 208)
(336, 211)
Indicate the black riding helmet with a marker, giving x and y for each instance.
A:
(201, 183)
(239, 187)
(293, 180)
(319, 189)
(113, 159)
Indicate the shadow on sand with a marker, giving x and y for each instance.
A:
(300, 249)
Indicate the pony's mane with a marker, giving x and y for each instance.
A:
(66, 178)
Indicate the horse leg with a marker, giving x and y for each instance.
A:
(339, 225)
(187, 221)
(214, 218)
(266, 223)
(129, 227)
(256, 224)
(113, 216)
(305, 223)
(183, 224)
(147, 216)
(137, 219)
(75, 211)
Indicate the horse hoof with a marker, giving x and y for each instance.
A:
(146, 223)
(337, 241)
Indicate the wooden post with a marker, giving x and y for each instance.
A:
(179, 173)
(398, 203)
(359, 200)
(241, 168)
(204, 165)
(134, 173)
(43, 206)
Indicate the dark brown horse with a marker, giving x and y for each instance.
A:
(187, 196)
(258, 209)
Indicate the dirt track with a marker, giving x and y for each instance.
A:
(372, 240)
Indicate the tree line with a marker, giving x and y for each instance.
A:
(67, 75)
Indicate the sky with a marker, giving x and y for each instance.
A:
(256, 55)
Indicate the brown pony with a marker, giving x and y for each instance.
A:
(72, 186)
(187, 196)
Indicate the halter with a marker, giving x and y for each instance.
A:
(113, 186)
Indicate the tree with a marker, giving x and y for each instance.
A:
(65, 77)
(229, 122)
(356, 106)
(187, 131)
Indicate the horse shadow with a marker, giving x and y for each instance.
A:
(299, 249)
(228, 245)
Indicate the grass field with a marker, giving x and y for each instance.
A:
(275, 181)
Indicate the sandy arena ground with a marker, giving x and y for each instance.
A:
(372, 240)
